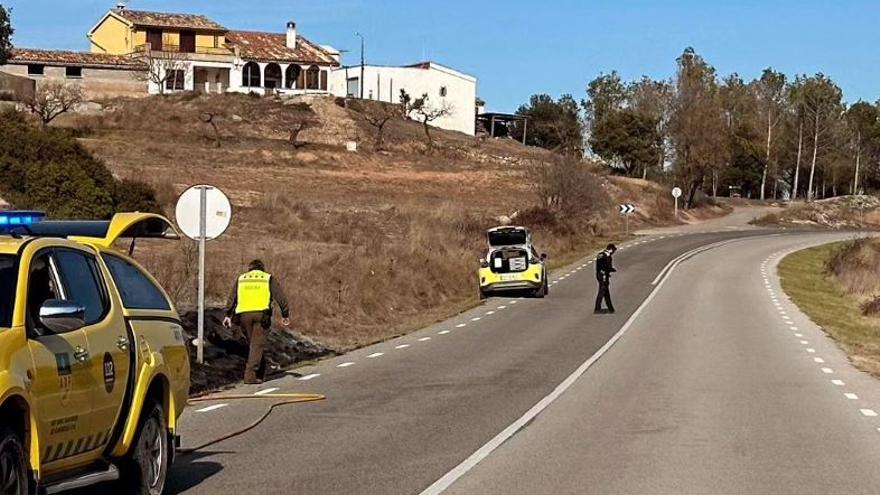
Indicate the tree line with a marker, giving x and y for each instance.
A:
(773, 137)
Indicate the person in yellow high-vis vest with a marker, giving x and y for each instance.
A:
(250, 303)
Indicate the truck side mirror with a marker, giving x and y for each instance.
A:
(62, 316)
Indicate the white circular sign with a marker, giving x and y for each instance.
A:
(676, 192)
(218, 212)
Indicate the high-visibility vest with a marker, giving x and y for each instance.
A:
(254, 293)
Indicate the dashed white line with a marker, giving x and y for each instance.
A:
(839, 383)
(811, 350)
(461, 325)
(424, 339)
(490, 313)
(868, 413)
(345, 365)
(442, 332)
(827, 371)
(375, 355)
(476, 318)
(266, 391)
(818, 360)
(309, 377)
(798, 335)
(851, 396)
(804, 342)
(211, 408)
(402, 346)
(505, 307)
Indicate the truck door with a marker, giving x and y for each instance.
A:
(62, 377)
(106, 334)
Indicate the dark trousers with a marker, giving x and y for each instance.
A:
(252, 323)
(604, 294)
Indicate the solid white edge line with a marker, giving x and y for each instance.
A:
(460, 470)
(267, 391)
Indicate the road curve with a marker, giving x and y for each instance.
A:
(720, 386)
(403, 414)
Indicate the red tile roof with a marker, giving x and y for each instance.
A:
(67, 58)
(166, 20)
(272, 47)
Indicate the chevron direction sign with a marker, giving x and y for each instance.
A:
(627, 209)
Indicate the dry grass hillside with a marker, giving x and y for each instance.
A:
(368, 244)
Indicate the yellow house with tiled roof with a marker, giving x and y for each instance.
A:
(123, 31)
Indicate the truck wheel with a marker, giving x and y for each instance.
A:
(13, 465)
(541, 292)
(143, 472)
(483, 295)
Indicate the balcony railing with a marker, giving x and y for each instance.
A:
(201, 50)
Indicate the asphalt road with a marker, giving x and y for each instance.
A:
(706, 391)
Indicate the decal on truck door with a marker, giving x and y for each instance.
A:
(109, 372)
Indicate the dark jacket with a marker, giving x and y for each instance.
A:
(604, 266)
(278, 297)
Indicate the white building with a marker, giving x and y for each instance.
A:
(444, 86)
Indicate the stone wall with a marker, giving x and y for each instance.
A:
(97, 83)
(16, 88)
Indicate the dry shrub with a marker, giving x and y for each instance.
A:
(568, 186)
(871, 307)
(856, 265)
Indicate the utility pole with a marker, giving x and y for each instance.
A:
(361, 84)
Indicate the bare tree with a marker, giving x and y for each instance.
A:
(378, 116)
(208, 118)
(162, 67)
(53, 98)
(427, 113)
(296, 126)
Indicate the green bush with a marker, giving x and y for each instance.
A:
(47, 169)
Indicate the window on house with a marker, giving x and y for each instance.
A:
(188, 41)
(175, 80)
(154, 38)
(36, 69)
(293, 77)
(73, 72)
(443, 91)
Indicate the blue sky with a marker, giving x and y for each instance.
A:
(517, 47)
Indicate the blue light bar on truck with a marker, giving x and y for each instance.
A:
(20, 218)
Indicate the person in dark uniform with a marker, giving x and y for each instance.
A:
(604, 269)
(250, 303)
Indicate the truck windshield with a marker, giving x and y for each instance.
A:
(8, 280)
(511, 237)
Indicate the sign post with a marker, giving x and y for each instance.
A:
(203, 213)
(626, 210)
(676, 193)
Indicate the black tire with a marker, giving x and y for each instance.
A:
(144, 471)
(483, 295)
(540, 292)
(14, 479)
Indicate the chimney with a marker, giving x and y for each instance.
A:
(120, 5)
(291, 35)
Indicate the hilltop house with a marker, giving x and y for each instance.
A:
(138, 52)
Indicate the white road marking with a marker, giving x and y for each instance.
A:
(266, 391)
(345, 365)
(851, 396)
(818, 360)
(424, 339)
(793, 328)
(505, 307)
(402, 346)
(442, 332)
(869, 413)
(211, 408)
(827, 371)
(811, 351)
(309, 377)
(839, 383)
(798, 335)
(461, 325)
(786, 318)
(804, 342)
(375, 355)
(512, 302)
(476, 318)
(490, 313)
(461, 469)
